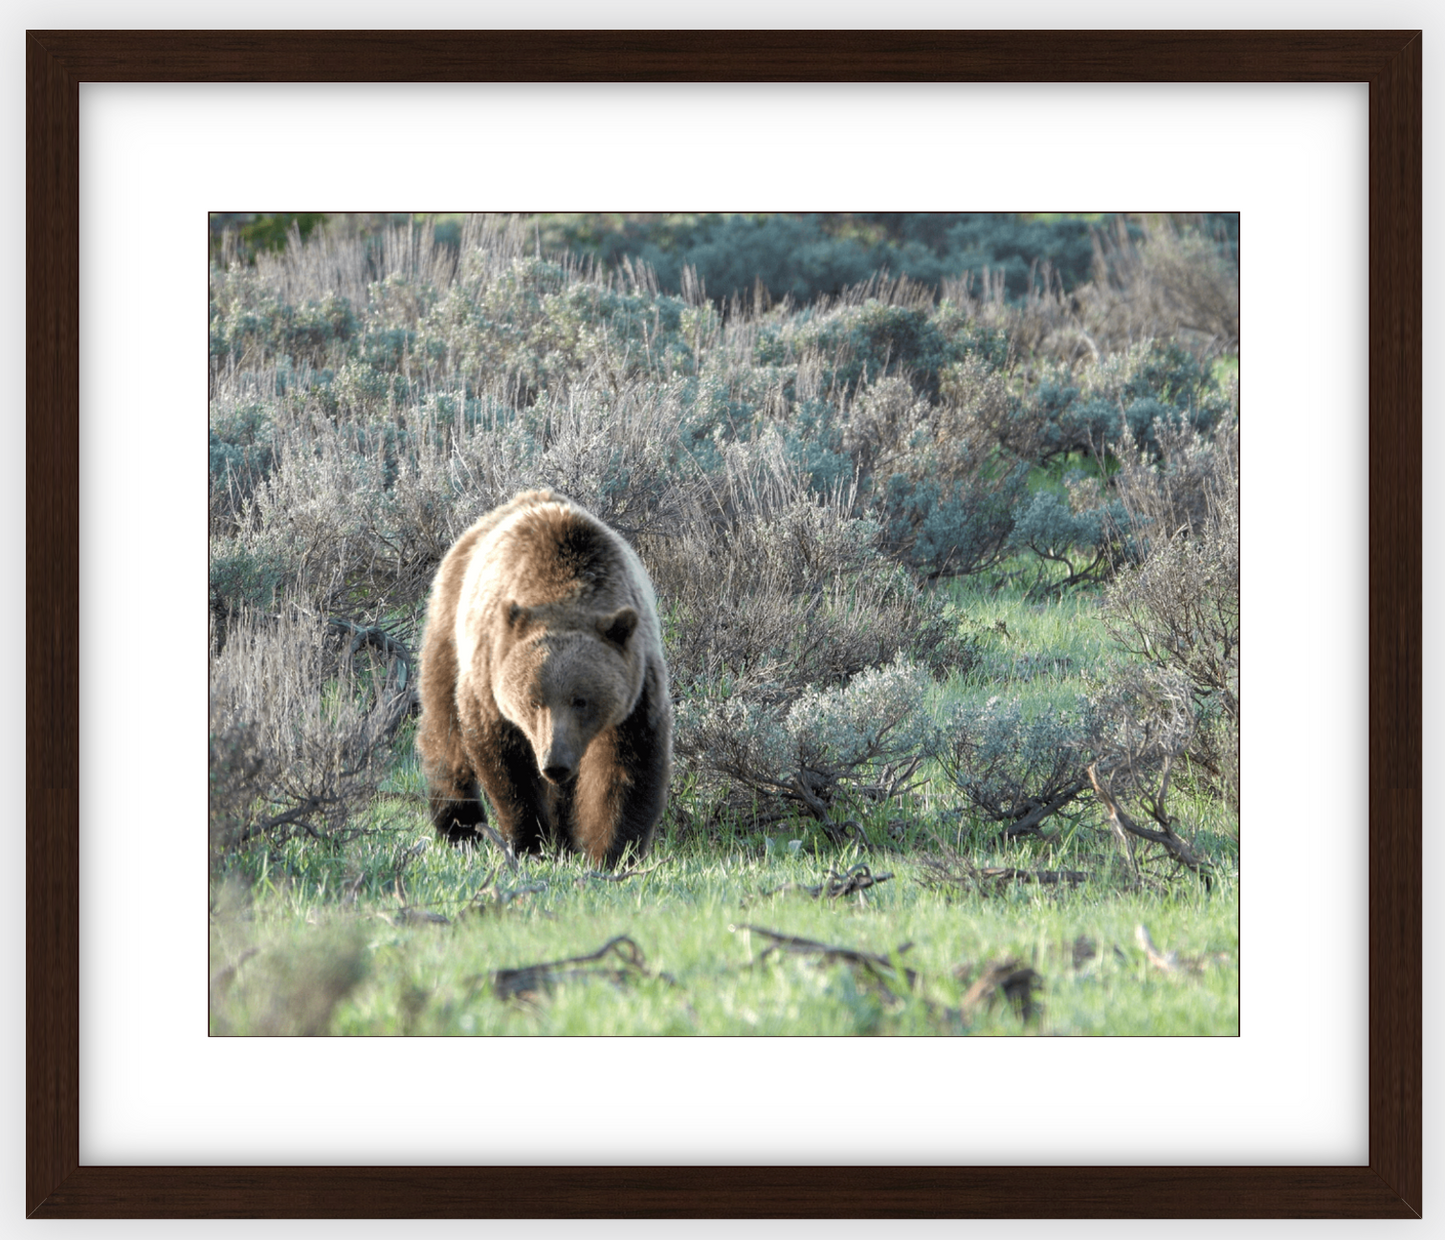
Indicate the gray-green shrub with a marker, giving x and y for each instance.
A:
(1017, 764)
(297, 744)
(1179, 609)
(792, 476)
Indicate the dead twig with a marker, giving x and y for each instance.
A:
(495, 836)
(492, 895)
(395, 694)
(1172, 962)
(954, 870)
(603, 877)
(1004, 874)
(1015, 980)
(849, 831)
(880, 967)
(532, 981)
(857, 878)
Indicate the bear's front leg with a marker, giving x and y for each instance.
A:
(455, 803)
(507, 771)
(621, 790)
(452, 793)
(451, 784)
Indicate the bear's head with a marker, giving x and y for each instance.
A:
(564, 678)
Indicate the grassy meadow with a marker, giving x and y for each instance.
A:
(948, 575)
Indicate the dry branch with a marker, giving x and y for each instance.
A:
(954, 870)
(495, 836)
(602, 877)
(855, 879)
(394, 697)
(1018, 983)
(1028, 824)
(492, 895)
(1166, 837)
(880, 967)
(1172, 962)
(532, 981)
(1005, 874)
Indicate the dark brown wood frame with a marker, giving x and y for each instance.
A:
(58, 61)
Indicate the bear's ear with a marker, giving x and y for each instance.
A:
(517, 615)
(617, 627)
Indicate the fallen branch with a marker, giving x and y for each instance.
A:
(602, 877)
(369, 635)
(1004, 874)
(1018, 983)
(857, 878)
(531, 981)
(492, 895)
(959, 871)
(880, 967)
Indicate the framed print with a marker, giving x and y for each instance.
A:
(63, 1122)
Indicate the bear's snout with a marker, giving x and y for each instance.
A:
(559, 759)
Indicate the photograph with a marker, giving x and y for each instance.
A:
(684, 623)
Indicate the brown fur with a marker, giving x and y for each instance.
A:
(543, 684)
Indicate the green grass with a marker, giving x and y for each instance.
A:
(319, 937)
(700, 969)
(1026, 645)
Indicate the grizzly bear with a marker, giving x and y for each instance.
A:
(543, 685)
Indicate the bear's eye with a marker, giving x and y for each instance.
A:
(579, 703)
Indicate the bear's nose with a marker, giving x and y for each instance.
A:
(557, 773)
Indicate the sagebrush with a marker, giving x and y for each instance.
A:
(814, 479)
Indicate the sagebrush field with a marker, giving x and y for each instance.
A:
(943, 517)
